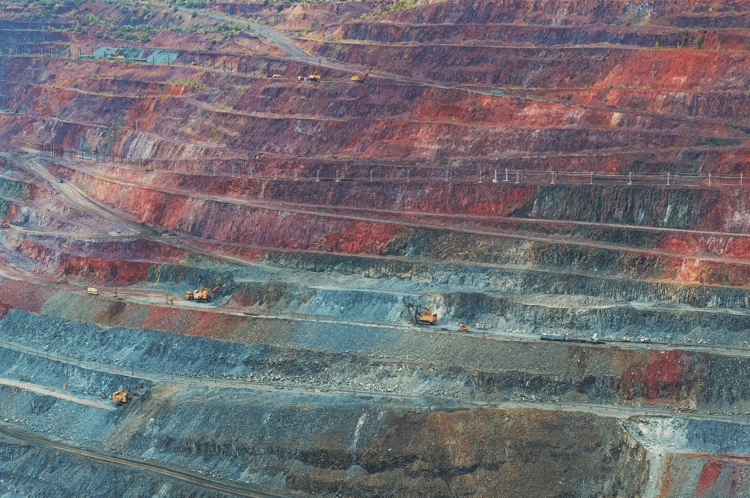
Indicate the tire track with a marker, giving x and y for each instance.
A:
(58, 444)
(617, 411)
(325, 211)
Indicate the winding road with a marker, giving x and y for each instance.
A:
(80, 199)
(396, 217)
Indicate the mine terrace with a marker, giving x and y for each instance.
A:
(390, 248)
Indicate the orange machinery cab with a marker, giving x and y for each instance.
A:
(426, 317)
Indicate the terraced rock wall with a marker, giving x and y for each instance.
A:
(323, 207)
(317, 444)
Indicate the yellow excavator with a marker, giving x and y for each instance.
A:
(202, 295)
(124, 396)
(360, 77)
(426, 317)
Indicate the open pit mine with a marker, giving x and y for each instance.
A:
(392, 248)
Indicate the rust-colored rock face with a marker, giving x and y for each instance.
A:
(563, 183)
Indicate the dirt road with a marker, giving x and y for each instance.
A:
(390, 217)
(54, 443)
(80, 199)
(616, 411)
(58, 393)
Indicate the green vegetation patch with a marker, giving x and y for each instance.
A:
(14, 189)
(189, 82)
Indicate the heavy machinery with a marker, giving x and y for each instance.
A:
(464, 328)
(202, 295)
(5, 224)
(426, 317)
(92, 291)
(360, 77)
(124, 396)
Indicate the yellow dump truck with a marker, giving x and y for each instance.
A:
(202, 295)
(360, 77)
(124, 396)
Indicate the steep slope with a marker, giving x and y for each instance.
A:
(567, 169)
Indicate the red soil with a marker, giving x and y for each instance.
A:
(360, 238)
(664, 375)
(99, 271)
(191, 322)
(668, 376)
(710, 473)
(24, 295)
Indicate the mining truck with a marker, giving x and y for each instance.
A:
(5, 224)
(312, 77)
(124, 396)
(360, 77)
(426, 317)
(202, 295)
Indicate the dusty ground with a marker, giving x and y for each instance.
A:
(565, 168)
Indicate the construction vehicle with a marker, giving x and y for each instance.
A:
(124, 396)
(5, 224)
(202, 295)
(426, 317)
(360, 77)
(92, 291)
(311, 77)
(464, 328)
